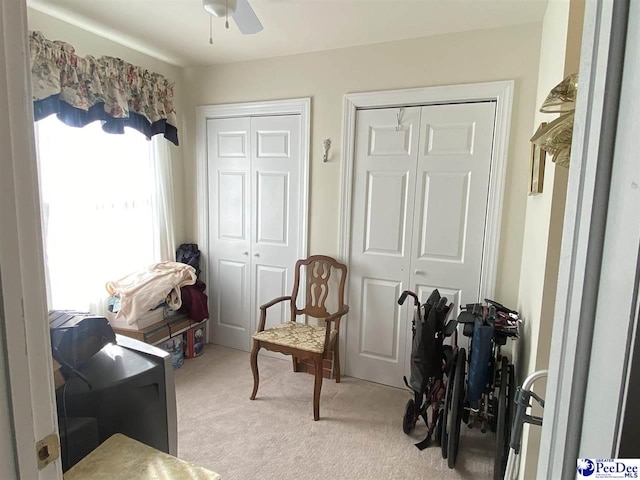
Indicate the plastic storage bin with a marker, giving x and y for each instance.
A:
(193, 340)
(175, 348)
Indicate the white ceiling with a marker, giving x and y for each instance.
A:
(177, 31)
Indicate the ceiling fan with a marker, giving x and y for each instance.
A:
(240, 10)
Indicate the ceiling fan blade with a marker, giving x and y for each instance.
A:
(246, 18)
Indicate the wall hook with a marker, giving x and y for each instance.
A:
(326, 145)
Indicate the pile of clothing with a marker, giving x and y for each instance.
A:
(171, 285)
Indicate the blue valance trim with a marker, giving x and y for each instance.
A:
(76, 117)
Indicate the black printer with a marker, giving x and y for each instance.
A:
(114, 384)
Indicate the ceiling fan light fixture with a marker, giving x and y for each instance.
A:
(220, 8)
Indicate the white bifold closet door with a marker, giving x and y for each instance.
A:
(421, 183)
(254, 200)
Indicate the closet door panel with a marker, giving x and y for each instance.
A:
(438, 216)
(386, 213)
(272, 222)
(454, 163)
(231, 194)
(275, 173)
(231, 296)
(382, 220)
(228, 161)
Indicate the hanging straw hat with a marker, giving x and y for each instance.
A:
(555, 137)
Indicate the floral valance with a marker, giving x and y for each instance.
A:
(81, 90)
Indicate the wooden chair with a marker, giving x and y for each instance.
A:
(301, 340)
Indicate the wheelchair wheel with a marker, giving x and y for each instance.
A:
(511, 398)
(493, 410)
(502, 423)
(456, 409)
(409, 420)
(444, 436)
(438, 430)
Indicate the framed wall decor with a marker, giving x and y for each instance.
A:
(536, 167)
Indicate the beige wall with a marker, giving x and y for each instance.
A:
(559, 56)
(478, 56)
(86, 43)
(538, 207)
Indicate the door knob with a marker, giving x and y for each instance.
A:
(419, 272)
(256, 254)
(245, 253)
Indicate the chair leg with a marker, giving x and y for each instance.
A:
(317, 361)
(294, 360)
(254, 368)
(336, 360)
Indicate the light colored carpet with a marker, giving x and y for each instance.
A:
(359, 435)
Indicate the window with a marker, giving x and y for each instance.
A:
(99, 202)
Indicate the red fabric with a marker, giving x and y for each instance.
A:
(194, 301)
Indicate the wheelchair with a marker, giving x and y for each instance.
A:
(481, 389)
(430, 363)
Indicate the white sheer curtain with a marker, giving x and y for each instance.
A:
(165, 245)
(107, 209)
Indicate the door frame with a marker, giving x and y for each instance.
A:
(596, 312)
(26, 370)
(294, 106)
(501, 92)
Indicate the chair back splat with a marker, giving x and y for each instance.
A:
(317, 270)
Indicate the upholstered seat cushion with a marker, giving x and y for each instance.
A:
(298, 335)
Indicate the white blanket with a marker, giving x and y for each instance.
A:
(144, 289)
